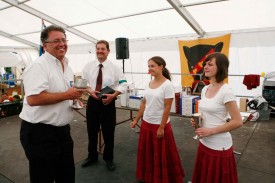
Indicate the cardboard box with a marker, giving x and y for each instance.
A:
(135, 101)
(188, 104)
(243, 104)
(197, 106)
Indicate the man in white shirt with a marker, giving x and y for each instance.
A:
(47, 112)
(101, 73)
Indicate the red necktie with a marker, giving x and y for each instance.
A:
(99, 79)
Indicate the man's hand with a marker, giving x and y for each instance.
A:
(108, 98)
(74, 93)
(92, 93)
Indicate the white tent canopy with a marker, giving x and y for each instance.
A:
(153, 28)
(87, 21)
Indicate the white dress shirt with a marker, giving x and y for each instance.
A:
(46, 74)
(112, 75)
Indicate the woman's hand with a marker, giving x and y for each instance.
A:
(133, 123)
(204, 132)
(192, 121)
(160, 132)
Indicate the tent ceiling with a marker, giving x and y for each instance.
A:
(87, 21)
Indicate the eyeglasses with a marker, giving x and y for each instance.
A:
(58, 41)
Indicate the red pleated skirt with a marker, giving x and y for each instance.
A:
(158, 160)
(214, 166)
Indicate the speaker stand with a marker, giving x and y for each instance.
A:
(123, 65)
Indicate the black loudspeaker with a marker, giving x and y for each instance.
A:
(122, 48)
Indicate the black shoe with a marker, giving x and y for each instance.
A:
(110, 165)
(88, 162)
(139, 181)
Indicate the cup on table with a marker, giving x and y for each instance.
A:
(80, 83)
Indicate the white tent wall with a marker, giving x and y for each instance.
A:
(249, 53)
(25, 57)
(140, 52)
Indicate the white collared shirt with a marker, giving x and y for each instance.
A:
(46, 74)
(112, 75)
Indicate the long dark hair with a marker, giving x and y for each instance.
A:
(160, 61)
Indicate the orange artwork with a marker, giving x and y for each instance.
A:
(193, 53)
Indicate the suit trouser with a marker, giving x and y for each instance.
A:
(104, 116)
(50, 152)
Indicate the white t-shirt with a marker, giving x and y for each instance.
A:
(155, 101)
(214, 113)
(112, 75)
(46, 74)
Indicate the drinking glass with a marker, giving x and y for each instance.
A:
(80, 83)
(198, 121)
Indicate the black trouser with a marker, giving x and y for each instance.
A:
(102, 115)
(50, 152)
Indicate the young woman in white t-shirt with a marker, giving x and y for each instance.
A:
(157, 159)
(215, 162)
